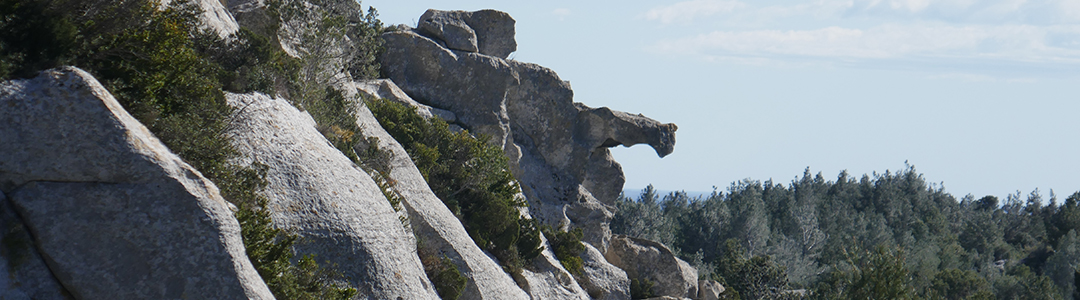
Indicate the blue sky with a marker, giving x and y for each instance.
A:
(982, 97)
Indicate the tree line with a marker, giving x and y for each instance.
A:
(881, 236)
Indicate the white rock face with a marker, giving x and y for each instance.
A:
(113, 213)
(547, 279)
(336, 208)
(28, 276)
(605, 281)
(436, 225)
(644, 259)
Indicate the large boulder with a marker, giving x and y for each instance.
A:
(648, 260)
(489, 32)
(433, 223)
(113, 213)
(28, 276)
(444, 78)
(604, 281)
(315, 191)
(450, 28)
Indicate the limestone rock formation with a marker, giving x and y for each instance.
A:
(606, 281)
(316, 192)
(558, 149)
(433, 223)
(644, 259)
(113, 213)
(28, 276)
(489, 32)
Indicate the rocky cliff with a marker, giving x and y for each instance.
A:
(94, 206)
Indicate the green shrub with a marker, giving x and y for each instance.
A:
(641, 289)
(169, 75)
(568, 248)
(876, 274)
(470, 176)
(444, 275)
(270, 252)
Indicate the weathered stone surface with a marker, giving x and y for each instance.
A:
(434, 224)
(604, 280)
(557, 149)
(442, 78)
(28, 276)
(489, 32)
(644, 259)
(114, 214)
(547, 279)
(494, 32)
(709, 290)
(336, 208)
(386, 89)
(449, 28)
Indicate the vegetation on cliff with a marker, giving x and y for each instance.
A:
(170, 74)
(887, 235)
(471, 177)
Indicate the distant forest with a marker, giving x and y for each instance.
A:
(881, 236)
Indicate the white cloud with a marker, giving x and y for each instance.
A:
(688, 10)
(982, 11)
(927, 43)
(561, 13)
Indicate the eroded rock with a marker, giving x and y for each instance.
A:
(557, 149)
(488, 32)
(113, 213)
(448, 27)
(604, 280)
(648, 260)
(337, 210)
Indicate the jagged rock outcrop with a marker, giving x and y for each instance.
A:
(316, 192)
(113, 213)
(648, 260)
(28, 276)
(558, 149)
(488, 32)
(433, 223)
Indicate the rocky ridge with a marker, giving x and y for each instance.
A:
(153, 227)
